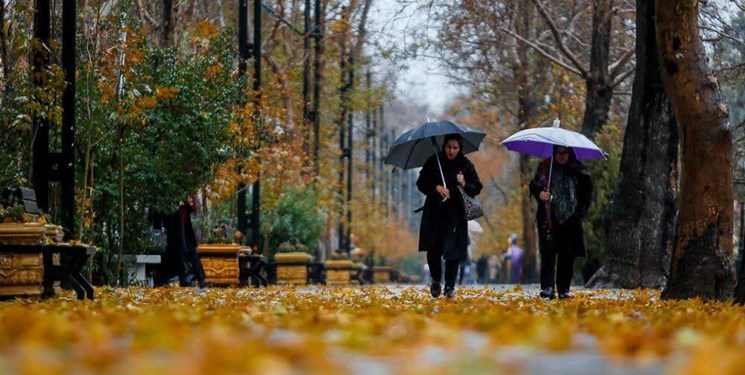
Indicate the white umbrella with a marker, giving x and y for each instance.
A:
(541, 141)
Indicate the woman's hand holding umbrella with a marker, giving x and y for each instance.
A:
(443, 191)
(545, 196)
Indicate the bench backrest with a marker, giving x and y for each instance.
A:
(20, 196)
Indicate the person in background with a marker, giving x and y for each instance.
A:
(181, 258)
(515, 255)
(482, 265)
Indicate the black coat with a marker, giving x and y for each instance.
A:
(568, 235)
(444, 226)
(181, 257)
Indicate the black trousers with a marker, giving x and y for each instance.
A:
(557, 267)
(434, 260)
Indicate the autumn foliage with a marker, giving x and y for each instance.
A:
(334, 330)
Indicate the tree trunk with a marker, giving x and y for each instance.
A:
(3, 48)
(166, 25)
(639, 217)
(527, 108)
(599, 89)
(702, 264)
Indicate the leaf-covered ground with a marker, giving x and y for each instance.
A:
(368, 330)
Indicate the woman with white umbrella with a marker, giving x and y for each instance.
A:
(563, 187)
(444, 229)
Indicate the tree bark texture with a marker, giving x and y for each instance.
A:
(639, 218)
(527, 114)
(599, 89)
(702, 264)
(166, 25)
(3, 46)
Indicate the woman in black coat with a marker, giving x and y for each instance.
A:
(181, 257)
(444, 229)
(562, 205)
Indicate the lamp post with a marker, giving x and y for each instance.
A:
(244, 50)
(67, 159)
(256, 191)
(40, 172)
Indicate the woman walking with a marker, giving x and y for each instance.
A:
(563, 191)
(444, 230)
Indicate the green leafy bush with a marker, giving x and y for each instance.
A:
(295, 220)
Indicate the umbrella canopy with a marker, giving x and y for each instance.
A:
(541, 141)
(413, 147)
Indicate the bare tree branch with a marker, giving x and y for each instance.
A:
(732, 69)
(616, 67)
(557, 36)
(546, 54)
(622, 78)
(722, 35)
(145, 15)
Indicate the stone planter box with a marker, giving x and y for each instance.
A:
(292, 268)
(382, 274)
(21, 233)
(220, 263)
(21, 274)
(342, 272)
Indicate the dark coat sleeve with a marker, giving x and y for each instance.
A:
(535, 187)
(429, 178)
(473, 184)
(584, 194)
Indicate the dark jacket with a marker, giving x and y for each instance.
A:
(181, 257)
(568, 235)
(443, 223)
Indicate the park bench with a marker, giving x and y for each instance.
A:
(343, 272)
(140, 267)
(251, 268)
(29, 265)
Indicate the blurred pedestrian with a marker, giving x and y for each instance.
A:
(515, 255)
(181, 258)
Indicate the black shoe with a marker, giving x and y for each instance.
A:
(435, 290)
(204, 284)
(565, 295)
(449, 292)
(547, 293)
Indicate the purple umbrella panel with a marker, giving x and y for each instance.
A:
(541, 141)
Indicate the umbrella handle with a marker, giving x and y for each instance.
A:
(548, 189)
(437, 156)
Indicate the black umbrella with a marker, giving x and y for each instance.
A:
(415, 146)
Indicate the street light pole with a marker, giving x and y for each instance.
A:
(342, 117)
(40, 172)
(316, 114)
(350, 159)
(243, 48)
(306, 79)
(256, 196)
(67, 162)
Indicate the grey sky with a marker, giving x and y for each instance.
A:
(421, 81)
